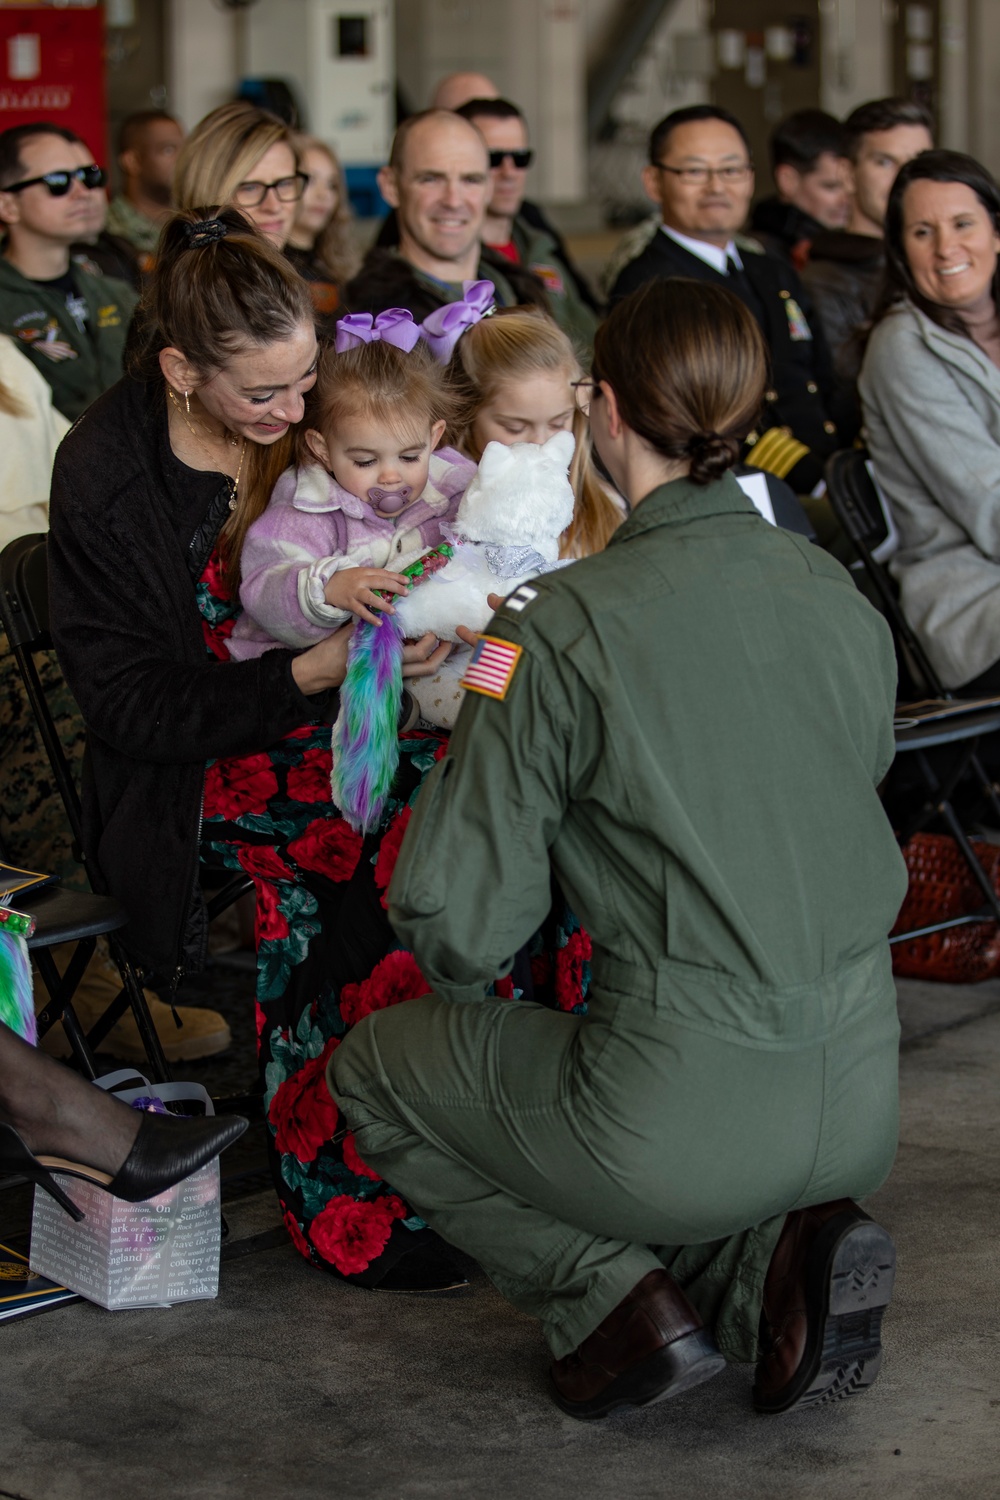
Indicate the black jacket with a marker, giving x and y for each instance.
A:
(131, 530)
(388, 237)
(387, 280)
(799, 398)
(784, 229)
(843, 276)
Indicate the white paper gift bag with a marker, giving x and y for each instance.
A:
(120, 1254)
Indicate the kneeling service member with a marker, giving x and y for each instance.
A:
(669, 1181)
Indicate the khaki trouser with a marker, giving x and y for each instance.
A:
(572, 1154)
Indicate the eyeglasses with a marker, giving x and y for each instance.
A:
(59, 183)
(521, 159)
(585, 391)
(699, 176)
(286, 190)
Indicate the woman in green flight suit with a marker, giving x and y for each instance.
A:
(689, 729)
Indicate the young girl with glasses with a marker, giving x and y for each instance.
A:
(321, 245)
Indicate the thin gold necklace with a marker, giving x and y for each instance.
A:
(239, 470)
(231, 439)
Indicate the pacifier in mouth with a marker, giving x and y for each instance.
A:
(390, 502)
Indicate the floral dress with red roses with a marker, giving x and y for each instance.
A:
(326, 957)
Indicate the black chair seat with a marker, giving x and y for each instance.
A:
(864, 514)
(950, 731)
(63, 915)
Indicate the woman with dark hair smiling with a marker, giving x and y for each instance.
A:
(670, 1175)
(191, 755)
(930, 387)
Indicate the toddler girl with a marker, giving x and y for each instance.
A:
(369, 493)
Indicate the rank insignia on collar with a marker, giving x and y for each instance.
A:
(491, 670)
(521, 598)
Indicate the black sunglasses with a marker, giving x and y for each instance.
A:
(59, 183)
(521, 159)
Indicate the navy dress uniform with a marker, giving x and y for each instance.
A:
(798, 426)
(689, 729)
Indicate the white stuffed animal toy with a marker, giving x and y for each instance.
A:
(506, 532)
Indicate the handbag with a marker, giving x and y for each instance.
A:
(942, 887)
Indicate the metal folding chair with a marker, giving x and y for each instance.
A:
(64, 915)
(863, 511)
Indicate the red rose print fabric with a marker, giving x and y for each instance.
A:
(302, 1111)
(327, 958)
(394, 978)
(351, 1233)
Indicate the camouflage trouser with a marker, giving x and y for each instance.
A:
(34, 831)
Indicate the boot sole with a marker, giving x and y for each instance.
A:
(852, 1268)
(678, 1367)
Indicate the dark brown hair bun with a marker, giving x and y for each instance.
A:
(688, 365)
(711, 455)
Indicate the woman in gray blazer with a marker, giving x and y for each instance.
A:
(930, 389)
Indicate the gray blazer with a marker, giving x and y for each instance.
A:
(931, 404)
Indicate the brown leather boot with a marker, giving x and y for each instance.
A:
(651, 1346)
(828, 1284)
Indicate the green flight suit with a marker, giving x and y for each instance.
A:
(692, 739)
(126, 221)
(33, 314)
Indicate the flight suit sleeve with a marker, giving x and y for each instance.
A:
(472, 882)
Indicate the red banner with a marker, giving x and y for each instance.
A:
(52, 68)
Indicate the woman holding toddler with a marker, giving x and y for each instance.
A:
(208, 726)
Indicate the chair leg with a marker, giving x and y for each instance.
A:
(987, 784)
(962, 840)
(158, 1065)
(61, 990)
(947, 812)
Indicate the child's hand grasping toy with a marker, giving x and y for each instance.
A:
(370, 492)
(354, 589)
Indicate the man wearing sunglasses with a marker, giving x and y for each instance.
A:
(701, 176)
(69, 320)
(438, 181)
(506, 229)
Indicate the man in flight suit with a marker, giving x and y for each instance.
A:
(69, 320)
(688, 729)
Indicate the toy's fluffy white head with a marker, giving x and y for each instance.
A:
(521, 495)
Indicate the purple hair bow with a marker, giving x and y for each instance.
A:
(394, 326)
(443, 328)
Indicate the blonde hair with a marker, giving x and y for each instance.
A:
(334, 251)
(511, 345)
(222, 151)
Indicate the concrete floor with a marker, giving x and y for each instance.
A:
(291, 1386)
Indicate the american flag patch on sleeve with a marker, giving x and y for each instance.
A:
(492, 667)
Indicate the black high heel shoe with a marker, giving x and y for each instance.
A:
(165, 1151)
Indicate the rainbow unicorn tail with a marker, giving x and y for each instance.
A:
(17, 1002)
(365, 736)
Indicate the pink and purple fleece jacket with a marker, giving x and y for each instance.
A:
(313, 528)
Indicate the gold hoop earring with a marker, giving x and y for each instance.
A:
(187, 402)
